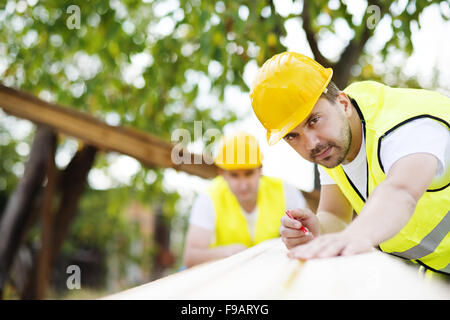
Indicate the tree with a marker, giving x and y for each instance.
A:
(83, 54)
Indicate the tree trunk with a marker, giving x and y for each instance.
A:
(72, 182)
(43, 267)
(342, 71)
(18, 210)
(164, 257)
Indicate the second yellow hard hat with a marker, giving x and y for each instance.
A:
(239, 151)
(285, 91)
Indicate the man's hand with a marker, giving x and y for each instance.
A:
(330, 245)
(290, 228)
(387, 210)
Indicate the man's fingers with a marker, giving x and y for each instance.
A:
(312, 249)
(328, 246)
(289, 243)
(301, 214)
(291, 233)
(293, 238)
(290, 223)
(330, 250)
(294, 242)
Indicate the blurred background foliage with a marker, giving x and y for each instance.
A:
(146, 64)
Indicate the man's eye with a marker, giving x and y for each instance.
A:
(289, 137)
(313, 121)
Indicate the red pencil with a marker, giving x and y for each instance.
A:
(305, 230)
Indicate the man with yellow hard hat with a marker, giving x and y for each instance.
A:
(241, 207)
(383, 152)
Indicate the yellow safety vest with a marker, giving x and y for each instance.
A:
(382, 109)
(231, 225)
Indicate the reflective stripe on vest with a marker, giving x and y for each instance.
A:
(429, 243)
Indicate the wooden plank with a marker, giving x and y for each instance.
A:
(265, 272)
(146, 148)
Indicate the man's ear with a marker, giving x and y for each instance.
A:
(260, 170)
(344, 102)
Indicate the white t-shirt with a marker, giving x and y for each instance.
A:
(418, 136)
(203, 214)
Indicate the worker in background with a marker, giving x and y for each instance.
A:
(241, 207)
(382, 151)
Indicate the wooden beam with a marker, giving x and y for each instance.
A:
(264, 272)
(150, 150)
(146, 148)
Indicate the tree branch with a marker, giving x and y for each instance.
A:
(354, 48)
(311, 37)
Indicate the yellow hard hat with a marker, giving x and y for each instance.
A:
(239, 151)
(285, 91)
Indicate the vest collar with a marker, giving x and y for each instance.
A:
(363, 145)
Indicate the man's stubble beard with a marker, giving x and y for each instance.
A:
(346, 141)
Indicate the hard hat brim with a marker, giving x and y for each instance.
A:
(274, 136)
